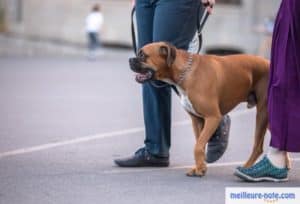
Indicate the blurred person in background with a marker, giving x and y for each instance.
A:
(93, 25)
(174, 22)
(283, 98)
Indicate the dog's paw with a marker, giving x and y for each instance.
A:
(196, 172)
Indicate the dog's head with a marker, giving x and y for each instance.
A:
(153, 62)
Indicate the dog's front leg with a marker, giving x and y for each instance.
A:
(197, 125)
(210, 125)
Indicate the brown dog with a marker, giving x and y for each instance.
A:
(210, 86)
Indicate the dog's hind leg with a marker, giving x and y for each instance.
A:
(260, 127)
(288, 161)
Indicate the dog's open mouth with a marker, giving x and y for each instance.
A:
(145, 76)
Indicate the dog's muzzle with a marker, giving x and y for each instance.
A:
(144, 73)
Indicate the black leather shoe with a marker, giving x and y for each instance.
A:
(217, 145)
(143, 158)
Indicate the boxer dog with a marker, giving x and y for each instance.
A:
(209, 86)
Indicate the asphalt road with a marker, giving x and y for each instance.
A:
(64, 120)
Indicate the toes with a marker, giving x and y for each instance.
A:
(196, 173)
(191, 173)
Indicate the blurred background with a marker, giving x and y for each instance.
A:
(241, 25)
(65, 116)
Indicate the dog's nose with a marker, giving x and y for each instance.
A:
(133, 63)
(132, 60)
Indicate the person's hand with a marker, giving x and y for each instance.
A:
(209, 5)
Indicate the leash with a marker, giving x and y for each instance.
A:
(201, 20)
(133, 36)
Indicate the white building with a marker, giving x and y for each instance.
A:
(232, 23)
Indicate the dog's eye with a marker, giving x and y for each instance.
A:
(141, 54)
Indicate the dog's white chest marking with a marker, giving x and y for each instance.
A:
(187, 105)
(184, 99)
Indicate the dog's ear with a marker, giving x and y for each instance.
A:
(169, 52)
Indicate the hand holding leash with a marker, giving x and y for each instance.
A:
(209, 4)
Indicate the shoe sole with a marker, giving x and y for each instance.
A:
(221, 153)
(245, 177)
(142, 165)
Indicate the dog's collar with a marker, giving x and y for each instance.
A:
(187, 68)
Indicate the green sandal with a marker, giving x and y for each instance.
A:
(263, 170)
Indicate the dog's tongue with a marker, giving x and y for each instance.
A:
(141, 77)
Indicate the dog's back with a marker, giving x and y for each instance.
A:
(242, 78)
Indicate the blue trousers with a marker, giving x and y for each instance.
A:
(173, 21)
(93, 40)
